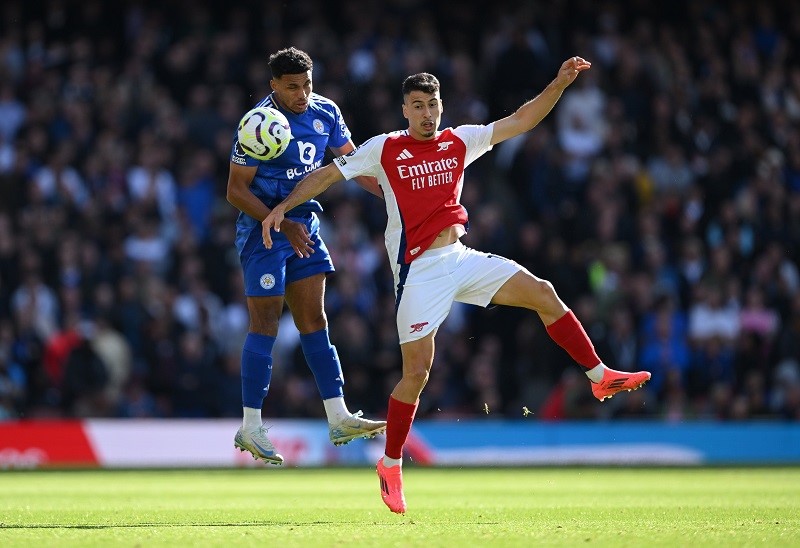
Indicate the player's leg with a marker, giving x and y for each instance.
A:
(523, 289)
(264, 286)
(425, 293)
(256, 374)
(305, 295)
(417, 363)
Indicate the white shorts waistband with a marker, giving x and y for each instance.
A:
(438, 251)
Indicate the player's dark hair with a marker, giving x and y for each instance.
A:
(289, 61)
(422, 81)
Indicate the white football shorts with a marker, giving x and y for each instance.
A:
(440, 276)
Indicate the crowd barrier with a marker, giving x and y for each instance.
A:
(155, 443)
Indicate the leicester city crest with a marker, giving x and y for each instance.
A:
(267, 281)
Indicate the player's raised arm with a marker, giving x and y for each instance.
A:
(531, 113)
(312, 185)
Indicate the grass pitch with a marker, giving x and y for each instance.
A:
(450, 507)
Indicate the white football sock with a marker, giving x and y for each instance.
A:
(252, 418)
(595, 374)
(389, 462)
(336, 409)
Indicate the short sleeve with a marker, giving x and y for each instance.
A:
(239, 157)
(340, 133)
(477, 138)
(364, 160)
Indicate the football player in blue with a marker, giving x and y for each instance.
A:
(294, 270)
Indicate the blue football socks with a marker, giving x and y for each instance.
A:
(324, 363)
(256, 369)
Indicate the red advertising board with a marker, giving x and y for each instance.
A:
(33, 444)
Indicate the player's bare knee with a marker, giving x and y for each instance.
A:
(264, 325)
(264, 328)
(418, 376)
(542, 294)
(310, 324)
(546, 289)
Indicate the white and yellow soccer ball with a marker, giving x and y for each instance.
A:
(264, 133)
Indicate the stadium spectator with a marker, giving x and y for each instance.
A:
(13, 379)
(665, 350)
(12, 113)
(85, 377)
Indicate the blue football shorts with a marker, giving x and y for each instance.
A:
(268, 271)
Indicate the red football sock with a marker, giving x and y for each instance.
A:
(398, 425)
(569, 334)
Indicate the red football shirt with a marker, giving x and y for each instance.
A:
(421, 182)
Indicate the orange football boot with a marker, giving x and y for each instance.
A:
(616, 381)
(391, 479)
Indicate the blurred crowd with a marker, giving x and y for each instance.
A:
(661, 197)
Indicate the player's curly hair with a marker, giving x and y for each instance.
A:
(422, 81)
(289, 61)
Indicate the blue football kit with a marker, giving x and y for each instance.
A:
(267, 271)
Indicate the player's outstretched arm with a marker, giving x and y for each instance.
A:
(312, 185)
(368, 183)
(531, 113)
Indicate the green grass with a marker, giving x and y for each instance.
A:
(342, 507)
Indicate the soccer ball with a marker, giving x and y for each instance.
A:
(264, 133)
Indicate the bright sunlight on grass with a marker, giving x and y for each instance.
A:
(449, 507)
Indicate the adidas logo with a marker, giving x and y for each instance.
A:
(405, 155)
(617, 383)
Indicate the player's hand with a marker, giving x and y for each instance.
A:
(570, 69)
(273, 220)
(296, 233)
(298, 237)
